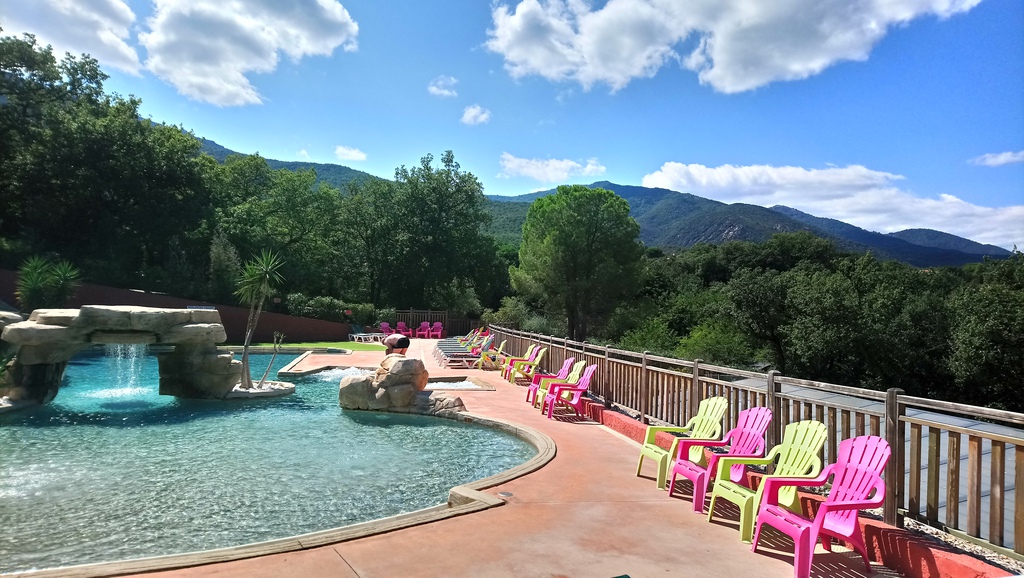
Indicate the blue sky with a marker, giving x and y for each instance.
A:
(888, 115)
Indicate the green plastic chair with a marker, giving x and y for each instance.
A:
(545, 383)
(707, 424)
(796, 456)
(526, 368)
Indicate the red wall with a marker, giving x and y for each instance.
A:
(234, 319)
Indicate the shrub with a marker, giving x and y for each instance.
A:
(362, 313)
(385, 314)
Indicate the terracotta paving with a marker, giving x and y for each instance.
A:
(583, 514)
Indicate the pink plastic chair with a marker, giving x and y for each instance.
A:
(746, 440)
(424, 330)
(385, 328)
(856, 484)
(436, 330)
(401, 328)
(509, 362)
(531, 392)
(575, 400)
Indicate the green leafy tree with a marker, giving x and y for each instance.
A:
(654, 335)
(417, 241)
(442, 217)
(371, 226)
(224, 269)
(259, 280)
(74, 158)
(718, 343)
(288, 212)
(580, 255)
(760, 301)
(987, 334)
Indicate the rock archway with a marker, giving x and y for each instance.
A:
(46, 342)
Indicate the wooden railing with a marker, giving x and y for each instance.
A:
(948, 459)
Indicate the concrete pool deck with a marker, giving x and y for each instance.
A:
(583, 514)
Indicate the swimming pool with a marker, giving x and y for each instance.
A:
(110, 470)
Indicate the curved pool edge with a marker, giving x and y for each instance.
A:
(463, 499)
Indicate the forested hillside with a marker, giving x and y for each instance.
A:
(335, 175)
(940, 240)
(670, 219)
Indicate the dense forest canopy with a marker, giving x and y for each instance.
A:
(132, 203)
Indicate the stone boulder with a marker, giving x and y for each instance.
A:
(397, 386)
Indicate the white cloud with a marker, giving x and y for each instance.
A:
(205, 48)
(99, 28)
(303, 154)
(443, 86)
(547, 170)
(853, 194)
(349, 154)
(737, 45)
(475, 114)
(998, 159)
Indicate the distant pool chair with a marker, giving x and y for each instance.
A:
(423, 331)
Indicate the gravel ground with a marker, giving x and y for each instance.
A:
(1011, 565)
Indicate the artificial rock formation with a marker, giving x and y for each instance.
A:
(397, 386)
(50, 337)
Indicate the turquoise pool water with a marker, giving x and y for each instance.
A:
(110, 470)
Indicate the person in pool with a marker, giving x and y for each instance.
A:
(396, 343)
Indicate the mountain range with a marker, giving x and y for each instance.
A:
(671, 219)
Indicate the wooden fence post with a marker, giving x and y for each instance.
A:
(895, 468)
(775, 404)
(645, 402)
(606, 381)
(695, 393)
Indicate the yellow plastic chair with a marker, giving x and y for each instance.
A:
(526, 368)
(707, 424)
(795, 456)
(507, 365)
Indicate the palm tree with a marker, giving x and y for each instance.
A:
(258, 281)
(44, 283)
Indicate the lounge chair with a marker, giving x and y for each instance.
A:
(856, 484)
(563, 372)
(707, 424)
(540, 389)
(569, 395)
(795, 456)
(436, 330)
(522, 371)
(403, 329)
(423, 331)
(746, 440)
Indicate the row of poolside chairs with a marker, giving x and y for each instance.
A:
(425, 330)
(855, 476)
(546, 391)
(853, 481)
(475, 349)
